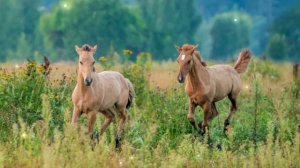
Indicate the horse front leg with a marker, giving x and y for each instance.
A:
(91, 122)
(207, 109)
(191, 114)
(76, 115)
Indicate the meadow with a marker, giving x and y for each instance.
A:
(35, 129)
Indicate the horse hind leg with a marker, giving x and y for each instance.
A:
(233, 109)
(123, 117)
(109, 116)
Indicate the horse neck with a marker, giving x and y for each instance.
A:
(198, 76)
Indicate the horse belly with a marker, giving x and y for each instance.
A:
(222, 90)
(111, 94)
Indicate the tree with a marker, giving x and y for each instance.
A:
(10, 28)
(168, 24)
(230, 33)
(288, 26)
(22, 51)
(17, 18)
(277, 48)
(103, 22)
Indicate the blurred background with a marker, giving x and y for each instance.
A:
(31, 29)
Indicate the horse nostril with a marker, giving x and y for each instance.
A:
(88, 82)
(180, 79)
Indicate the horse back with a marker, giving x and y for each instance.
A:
(225, 78)
(111, 87)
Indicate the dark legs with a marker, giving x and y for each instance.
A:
(123, 117)
(233, 109)
(210, 112)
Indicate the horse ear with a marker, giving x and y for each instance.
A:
(78, 49)
(94, 49)
(178, 48)
(195, 47)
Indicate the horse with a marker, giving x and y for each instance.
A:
(207, 85)
(106, 92)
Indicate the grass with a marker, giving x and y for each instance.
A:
(35, 128)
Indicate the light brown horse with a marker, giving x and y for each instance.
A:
(207, 85)
(103, 92)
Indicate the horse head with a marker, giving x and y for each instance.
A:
(86, 62)
(185, 60)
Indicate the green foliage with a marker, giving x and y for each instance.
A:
(22, 52)
(113, 28)
(265, 68)
(137, 73)
(19, 21)
(230, 33)
(286, 26)
(10, 26)
(277, 48)
(21, 98)
(35, 125)
(168, 24)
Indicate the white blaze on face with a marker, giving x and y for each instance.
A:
(182, 57)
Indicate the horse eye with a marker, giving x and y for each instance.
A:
(81, 63)
(189, 61)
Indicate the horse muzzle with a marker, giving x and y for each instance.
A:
(88, 82)
(181, 78)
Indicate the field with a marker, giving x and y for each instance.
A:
(35, 129)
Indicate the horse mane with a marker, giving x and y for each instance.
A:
(198, 56)
(86, 47)
(187, 47)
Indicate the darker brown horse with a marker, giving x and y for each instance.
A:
(207, 85)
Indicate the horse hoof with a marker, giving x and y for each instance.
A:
(200, 124)
(225, 131)
(118, 144)
(95, 136)
(226, 123)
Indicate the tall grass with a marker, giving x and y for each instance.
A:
(35, 128)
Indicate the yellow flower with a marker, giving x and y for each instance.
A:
(127, 52)
(103, 59)
(41, 69)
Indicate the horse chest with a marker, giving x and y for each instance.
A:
(198, 98)
(86, 104)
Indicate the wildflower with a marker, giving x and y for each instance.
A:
(41, 69)
(127, 52)
(103, 59)
(24, 135)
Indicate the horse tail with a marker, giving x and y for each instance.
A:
(131, 93)
(243, 61)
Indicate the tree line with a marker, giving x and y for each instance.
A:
(35, 28)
